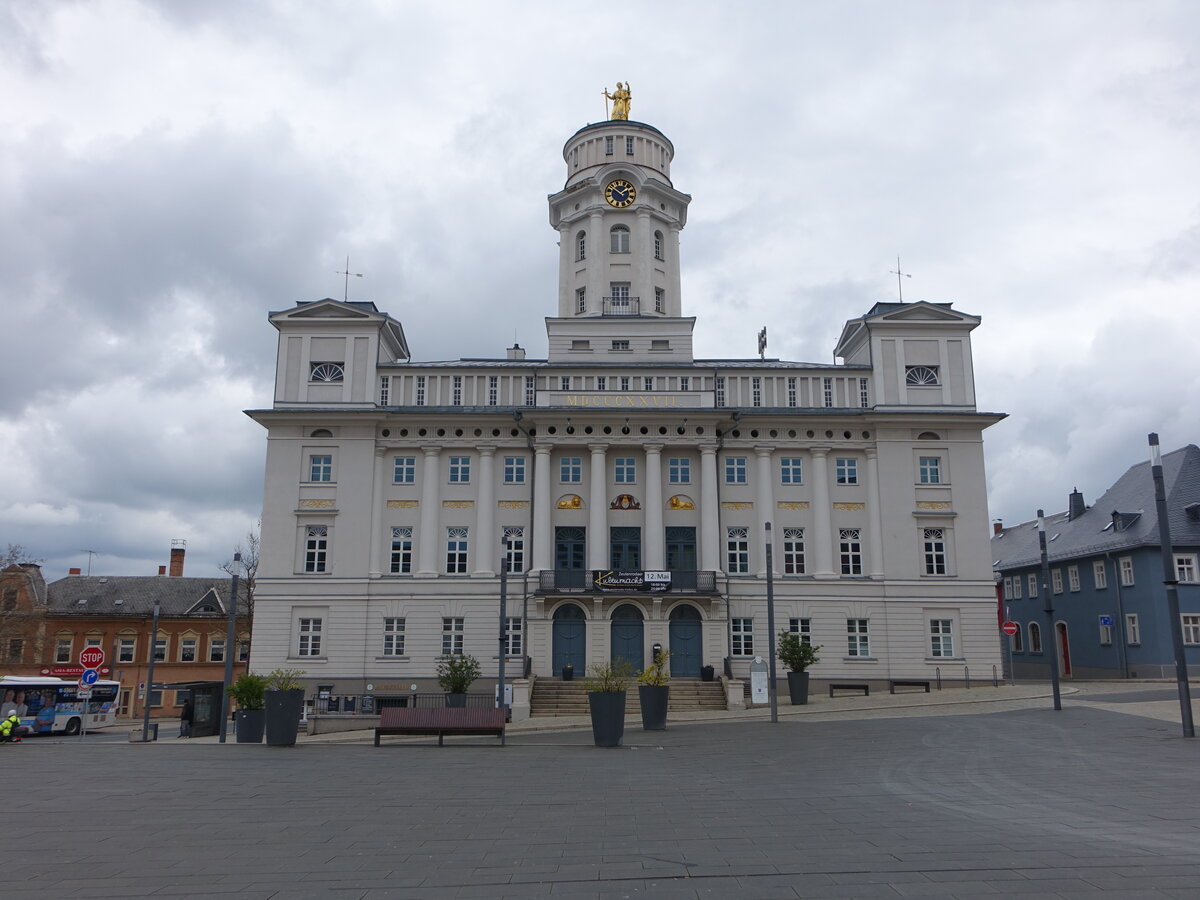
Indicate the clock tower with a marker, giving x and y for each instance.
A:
(618, 218)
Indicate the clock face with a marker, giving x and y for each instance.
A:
(620, 193)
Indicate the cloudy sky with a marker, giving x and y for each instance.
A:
(171, 171)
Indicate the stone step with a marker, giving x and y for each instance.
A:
(552, 697)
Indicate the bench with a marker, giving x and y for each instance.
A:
(865, 688)
(440, 721)
(899, 682)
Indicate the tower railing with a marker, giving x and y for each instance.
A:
(622, 306)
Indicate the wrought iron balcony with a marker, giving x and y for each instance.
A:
(622, 306)
(580, 580)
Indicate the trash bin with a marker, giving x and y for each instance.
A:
(708, 673)
(135, 735)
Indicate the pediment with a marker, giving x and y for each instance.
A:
(924, 312)
(326, 309)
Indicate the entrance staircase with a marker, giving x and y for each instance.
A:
(552, 697)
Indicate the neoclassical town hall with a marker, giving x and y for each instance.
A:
(625, 484)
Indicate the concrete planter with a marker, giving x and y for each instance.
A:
(248, 726)
(798, 688)
(283, 716)
(653, 699)
(456, 700)
(608, 717)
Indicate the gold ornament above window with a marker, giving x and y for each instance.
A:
(570, 501)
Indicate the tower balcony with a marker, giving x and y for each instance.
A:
(621, 306)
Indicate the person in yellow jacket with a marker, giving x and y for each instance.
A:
(10, 729)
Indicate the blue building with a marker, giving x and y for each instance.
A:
(1106, 578)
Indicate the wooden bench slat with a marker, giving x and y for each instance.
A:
(441, 721)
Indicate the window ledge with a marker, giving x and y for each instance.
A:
(936, 660)
(393, 659)
(860, 659)
(308, 659)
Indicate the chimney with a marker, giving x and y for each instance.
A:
(1075, 505)
(162, 570)
(997, 526)
(74, 571)
(178, 548)
(516, 352)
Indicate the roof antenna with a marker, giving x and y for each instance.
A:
(897, 273)
(348, 273)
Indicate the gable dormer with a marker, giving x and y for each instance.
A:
(329, 351)
(920, 353)
(209, 603)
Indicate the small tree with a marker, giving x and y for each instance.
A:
(609, 677)
(246, 569)
(456, 673)
(794, 653)
(249, 691)
(657, 673)
(284, 679)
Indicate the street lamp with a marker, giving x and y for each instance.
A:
(1048, 606)
(503, 621)
(230, 644)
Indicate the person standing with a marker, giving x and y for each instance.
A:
(185, 719)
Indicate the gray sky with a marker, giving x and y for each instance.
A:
(170, 172)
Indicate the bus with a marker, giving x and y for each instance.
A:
(48, 705)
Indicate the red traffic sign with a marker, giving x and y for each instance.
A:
(91, 657)
(1010, 628)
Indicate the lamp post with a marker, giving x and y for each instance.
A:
(1048, 606)
(150, 674)
(1171, 580)
(771, 624)
(503, 623)
(230, 643)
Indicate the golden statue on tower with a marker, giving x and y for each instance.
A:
(620, 98)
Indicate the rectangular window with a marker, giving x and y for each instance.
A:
(216, 649)
(404, 470)
(62, 651)
(1073, 578)
(514, 549)
(452, 636)
(941, 638)
(791, 391)
(602, 382)
(493, 389)
(1191, 629)
(564, 382)
(530, 391)
(1126, 571)
(15, 648)
(420, 396)
(581, 300)
(935, 551)
(791, 470)
(1033, 586)
(931, 470)
(685, 383)
(858, 639)
(457, 396)
(624, 470)
(624, 382)
(802, 627)
(513, 644)
(243, 651)
(847, 471)
(1106, 635)
(1099, 575)
(756, 392)
(1185, 567)
(719, 391)
(629, 146)
(581, 246)
(679, 470)
(864, 398)
(320, 468)
(385, 386)
(738, 547)
(850, 548)
(1133, 631)
(1008, 588)
(735, 470)
(648, 383)
(160, 649)
(316, 548)
(620, 345)
(309, 643)
(570, 470)
(1056, 582)
(393, 636)
(126, 649)
(460, 470)
(608, 145)
(827, 390)
(659, 299)
(1016, 587)
(514, 470)
(793, 551)
(456, 551)
(743, 636)
(187, 650)
(402, 545)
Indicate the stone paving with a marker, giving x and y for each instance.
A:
(991, 795)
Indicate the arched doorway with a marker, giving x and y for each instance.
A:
(569, 639)
(686, 646)
(627, 641)
(1064, 648)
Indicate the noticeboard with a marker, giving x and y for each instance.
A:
(626, 580)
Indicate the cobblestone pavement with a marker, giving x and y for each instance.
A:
(981, 799)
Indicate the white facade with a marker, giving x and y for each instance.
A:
(394, 488)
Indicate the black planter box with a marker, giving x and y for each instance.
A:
(653, 699)
(708, 673)
(283, 716)
(456, 700)
(608, 717)
(568, 673)
(248, 725)
(798, 688)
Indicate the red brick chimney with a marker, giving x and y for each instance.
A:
(177, 561)
(997, 526)
(74, 571)
(162, 570)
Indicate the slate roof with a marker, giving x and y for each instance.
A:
(134, 595)
(1094, 531)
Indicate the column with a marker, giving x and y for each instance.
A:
(543, 540)
(429, 540)
(566, 268)
(654, 538)
(597, 251)
(486, 548)
(377, 506)
(765, 509)
(874, 525)
(710, 511)
(822, 542)
(597, 535)
(642, 250)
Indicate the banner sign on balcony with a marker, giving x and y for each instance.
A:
(631, 581)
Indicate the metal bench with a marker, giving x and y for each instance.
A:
(900, 682)
(865, 688)
(443, 721)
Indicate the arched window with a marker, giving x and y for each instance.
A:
(658, 245)
(581, 245)
(1035, 637)
(619, 238)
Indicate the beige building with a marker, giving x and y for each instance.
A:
(625, 484)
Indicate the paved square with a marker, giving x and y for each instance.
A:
(1027, 803)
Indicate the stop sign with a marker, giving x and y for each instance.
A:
(1010, 628)
(91, 657)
